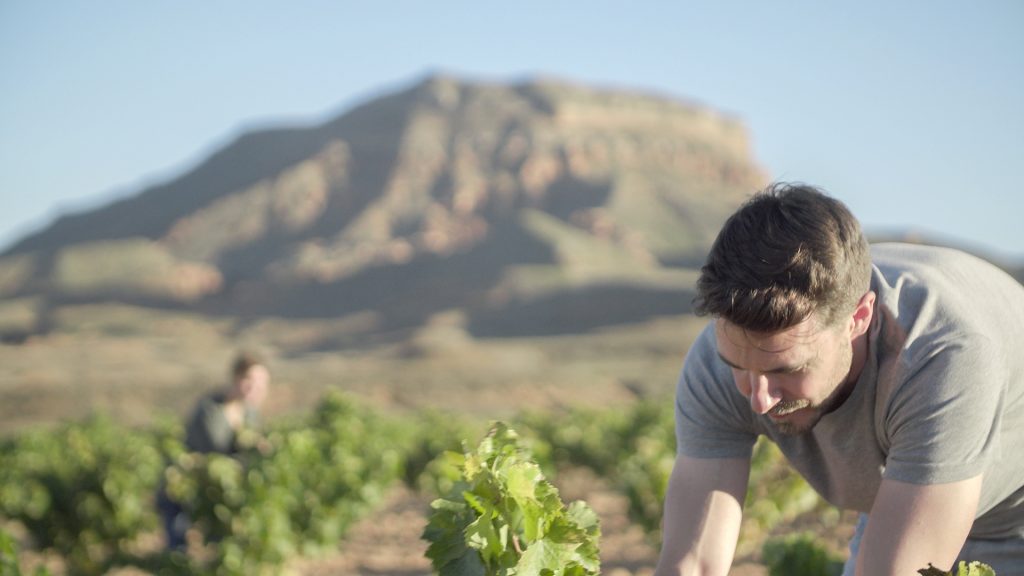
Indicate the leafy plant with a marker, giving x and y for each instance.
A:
(85, 489)
(776, 494)
(504, 518)
(432, 434)
(962, 569)
(298, 496)
(633, 448)
(800, 555)
(9, 558)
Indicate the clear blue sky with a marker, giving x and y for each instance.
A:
(911, 112)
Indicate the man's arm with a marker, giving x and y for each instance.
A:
(911, 526)
(703, 509)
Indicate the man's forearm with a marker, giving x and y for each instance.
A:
(703, 510)
(911, 526)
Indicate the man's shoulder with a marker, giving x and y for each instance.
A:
(703, 369)
(215, 398)
(206, 406)
(913, 255)
(943, 286)
(704, 350)
(897, 257)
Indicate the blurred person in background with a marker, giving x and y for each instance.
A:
(214, 426)
(891, 377)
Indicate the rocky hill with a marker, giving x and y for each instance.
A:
(478, 247)
(485, 248)
(532, 208)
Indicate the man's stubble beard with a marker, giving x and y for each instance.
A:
(839, 393)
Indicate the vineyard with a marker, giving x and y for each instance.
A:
(84, 493)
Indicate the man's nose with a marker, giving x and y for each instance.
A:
(762, 397)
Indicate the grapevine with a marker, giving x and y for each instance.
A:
(962, 569)
(504, 518)
(317, 477)
(84, 489)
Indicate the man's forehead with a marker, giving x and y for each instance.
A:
(805, 332)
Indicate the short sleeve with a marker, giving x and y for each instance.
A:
(942, 422)
(713, 420)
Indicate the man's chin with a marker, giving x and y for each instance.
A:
(796, 423)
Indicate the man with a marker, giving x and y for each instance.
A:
(214, 427)
(891, 377)
(221, 415)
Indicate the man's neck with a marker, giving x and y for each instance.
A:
(860, 357)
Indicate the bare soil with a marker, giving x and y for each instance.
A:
(388, 543)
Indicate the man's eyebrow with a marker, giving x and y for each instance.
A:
(787, 369)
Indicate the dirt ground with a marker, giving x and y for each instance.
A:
(388, 543)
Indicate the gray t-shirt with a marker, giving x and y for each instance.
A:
(940, 399)
(208, 429)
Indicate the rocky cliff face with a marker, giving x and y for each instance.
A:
(514, 203)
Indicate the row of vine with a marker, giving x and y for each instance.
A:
(86, 490)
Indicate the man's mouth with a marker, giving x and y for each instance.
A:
(783, 409)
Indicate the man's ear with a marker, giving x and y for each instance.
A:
(862, 314)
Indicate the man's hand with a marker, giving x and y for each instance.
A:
(911, 526)
(703, 509)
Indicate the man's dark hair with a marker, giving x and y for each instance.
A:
(787, 253)
(244, 360)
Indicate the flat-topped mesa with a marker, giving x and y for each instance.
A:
(611, 128)
(478, 148)
(577, 182)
